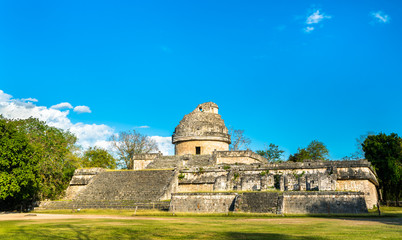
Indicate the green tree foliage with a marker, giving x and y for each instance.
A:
(385, 154)
(301, 155)
(98, 157)
(129, 143)
(19, 180)
(316, 151)
(56, 150)
(272, 153)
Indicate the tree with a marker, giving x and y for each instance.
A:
(239, 141)
(56, 151)
(98, 157)
(316, 151)
(19, 180)
(272, 153)
(301, 155)
(129, 143)
(385, 154)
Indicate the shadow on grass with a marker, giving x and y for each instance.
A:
(72, 231)
(241, 235)
(82, 233)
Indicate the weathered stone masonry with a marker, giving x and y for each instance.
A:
(203, 176)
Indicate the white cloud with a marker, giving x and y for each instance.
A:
(104, 144)
(145, 126)
(314, 18)
(29, 100)
(164, 144)
(380, 17)
(82, 109)
(4, 97)
(89, 135)
(308, 29)
(63, 105)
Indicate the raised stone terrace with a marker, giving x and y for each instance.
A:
(184, 161)
(137, 186)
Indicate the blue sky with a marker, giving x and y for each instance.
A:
(287, 72)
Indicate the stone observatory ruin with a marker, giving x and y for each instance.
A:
(204, 176)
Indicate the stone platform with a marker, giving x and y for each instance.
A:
(330, 202)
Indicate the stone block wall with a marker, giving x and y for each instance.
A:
(240, 157)
(93, 204)
(240, 179)
(324, 202)
(202, 202)
(259, 202)
(141, 161)
(270, 202)
(365, 186)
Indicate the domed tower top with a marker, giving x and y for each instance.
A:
(201, 132)
(208, 107)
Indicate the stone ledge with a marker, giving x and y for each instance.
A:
(316, 193)
(102, 205)
(88, 171)
(204, 193)
(213, 137)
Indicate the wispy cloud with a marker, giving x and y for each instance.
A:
(30, 99)
(316, 17)
(145, 126)
(380, 17)
(82, 109)
(308, 29)
(313, 19)
(63, 105)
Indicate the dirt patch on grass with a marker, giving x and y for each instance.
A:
(340, 221)
(302, 220)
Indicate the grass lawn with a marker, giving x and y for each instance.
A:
(122, 225)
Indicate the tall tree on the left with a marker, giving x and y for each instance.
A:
(19, 178)
(57, 154)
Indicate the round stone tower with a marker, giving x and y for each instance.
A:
(201, 132)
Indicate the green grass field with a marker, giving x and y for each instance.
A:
(159, 225)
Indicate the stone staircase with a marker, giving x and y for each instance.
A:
(121, 190)
(136, 186)
(184, 161)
